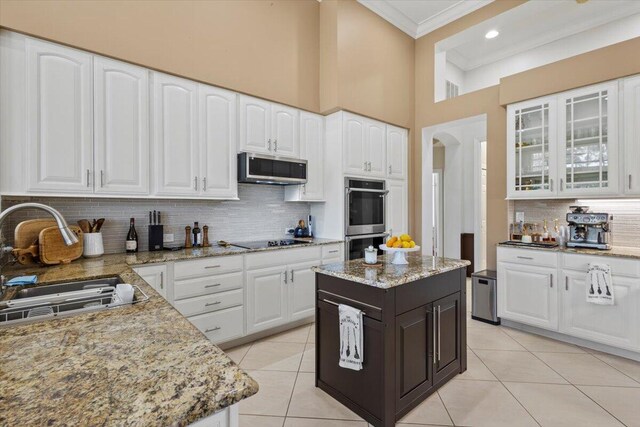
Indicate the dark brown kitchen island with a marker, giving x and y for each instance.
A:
(414, 326)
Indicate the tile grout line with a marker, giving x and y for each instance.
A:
(445, 408)
(610, 365)
(600, 406)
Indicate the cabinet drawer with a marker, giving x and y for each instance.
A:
(209, 303)
(207, 266)
(331, 252)
(543, 258)
(282, 257)
(619, 266)
(207, 285)
(221, 325)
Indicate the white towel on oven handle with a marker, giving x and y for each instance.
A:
(599, 285)
(351, 337)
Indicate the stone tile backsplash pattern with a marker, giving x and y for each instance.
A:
(625, 224)
(261, 213)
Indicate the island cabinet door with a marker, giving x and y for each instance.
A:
(415, 335)
(447, 314)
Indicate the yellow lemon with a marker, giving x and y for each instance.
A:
(397, 245)
(406, 245)
(405, 238)
(391, 241)
(412, 244)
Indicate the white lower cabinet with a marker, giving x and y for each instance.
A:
(222, 325)
(228, 417)
(155, 276)
(266, 298)
(302, 288)
(527, 294)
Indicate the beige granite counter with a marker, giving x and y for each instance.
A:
(143, 364)
(616, 251)
(390, 275)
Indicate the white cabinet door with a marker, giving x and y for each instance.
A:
(284, 131)
(397, 207)
(266, 298)
(311, 150)
(375, 148)
(631, 182)
(396, 152)
(217, 121)
(155, 276)
(175, 138)
(255, 125)
(121, 120)
(532, 149)
(615, 325)
(588, 141)
(302, 290)
(353, 141)
(59, 119)
(528, 294)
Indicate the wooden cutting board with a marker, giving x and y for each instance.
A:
(52, 247)
(25, 239)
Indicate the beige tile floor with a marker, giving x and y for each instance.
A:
(513, 379)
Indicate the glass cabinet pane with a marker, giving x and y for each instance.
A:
(532, 148)
(587, 162)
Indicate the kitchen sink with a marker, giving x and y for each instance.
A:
(63, 299)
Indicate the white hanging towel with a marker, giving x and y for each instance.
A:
(351, 337)
(599, 286)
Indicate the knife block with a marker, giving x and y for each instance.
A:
(156, 237)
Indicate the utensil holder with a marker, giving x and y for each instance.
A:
(93, 245)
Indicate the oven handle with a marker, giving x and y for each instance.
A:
(366, 190)
(365, 236)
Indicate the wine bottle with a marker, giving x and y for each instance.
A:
(131, 243)
(196, 234)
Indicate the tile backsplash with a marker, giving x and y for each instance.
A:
(261, 213)
(625, 230)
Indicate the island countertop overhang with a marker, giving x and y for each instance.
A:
(388, 275)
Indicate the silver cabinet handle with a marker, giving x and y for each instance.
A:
(286, 280)
(212, 266)
(217, 328)
(369, 166)
(566, 283)
(334, 252)
(364, 167)
(439, 333)
(195, 183)
(525, 257)
(389, 169)
(209, 304)
(212, 286)
(101, 178)
(434, 337)
(629, 181)
(551, 184)
(269, 144)
(204, 184)
(275, 145)
(551, 280)
(162, 280)
(304, 188)
(292, 276)
(88, 180)
(561, 184)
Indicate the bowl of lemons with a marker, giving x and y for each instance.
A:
(399, 246)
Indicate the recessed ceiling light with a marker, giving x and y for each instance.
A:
(491, 34)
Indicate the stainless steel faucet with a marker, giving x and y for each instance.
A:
(67, 235)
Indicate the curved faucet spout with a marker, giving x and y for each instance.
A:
(68, 236)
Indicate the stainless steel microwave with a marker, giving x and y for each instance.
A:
(263, 169)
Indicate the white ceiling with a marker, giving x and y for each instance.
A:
(419, 17)
(533, 24)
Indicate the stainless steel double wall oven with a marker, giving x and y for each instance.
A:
(365, 209)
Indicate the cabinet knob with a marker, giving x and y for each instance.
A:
(389, 169)
(629, 181)
(364, 167)
(88, 179)
(195, 183)
(204, 184)
(275, 145)
(269, 144)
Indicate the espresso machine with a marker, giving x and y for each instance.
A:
(589, 230)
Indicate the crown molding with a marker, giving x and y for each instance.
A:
(386, 10)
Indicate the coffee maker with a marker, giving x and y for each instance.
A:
(589, 230)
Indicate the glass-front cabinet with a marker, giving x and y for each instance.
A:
(564, 145)
(588, 141)
(531, 148)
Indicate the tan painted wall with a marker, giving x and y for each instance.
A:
(265, 48)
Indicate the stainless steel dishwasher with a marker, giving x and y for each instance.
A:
(484, 298)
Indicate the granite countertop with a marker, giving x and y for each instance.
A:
(390, 275)
(616, 251)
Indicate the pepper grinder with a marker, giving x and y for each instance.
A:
(205, 236)
(187, 240)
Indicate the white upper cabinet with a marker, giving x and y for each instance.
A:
(397, 207)
(268, 128)
(396, 152)
(531, 148)
(255, 125)
(59, 119)
(311, 150)
(631, 177)
(375, 152)
(217, 123)
(121, 123)
(353, 144)
(175, 137)
(284, 131)
(588, 141)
